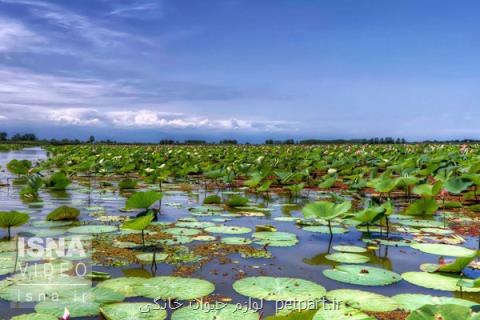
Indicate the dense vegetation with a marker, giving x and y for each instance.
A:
(381, 168)
(359, 221)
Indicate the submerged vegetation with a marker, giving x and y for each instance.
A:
(391, 231)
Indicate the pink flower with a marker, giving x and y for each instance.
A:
(66, 314)
(463, 148)
(443, 193)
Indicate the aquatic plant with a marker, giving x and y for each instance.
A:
(12, 219)
(57, 181)
(19, 167)
(139, 224)
(326, 210)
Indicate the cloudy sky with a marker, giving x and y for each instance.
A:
(143, 70)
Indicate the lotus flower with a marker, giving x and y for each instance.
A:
(444, 193)
(66, 314)
(463, 148)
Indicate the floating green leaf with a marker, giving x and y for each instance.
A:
(362, 275)
(279, 289)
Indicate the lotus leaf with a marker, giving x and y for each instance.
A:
(362, 275)
(279, 289)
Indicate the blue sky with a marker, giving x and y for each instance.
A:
(143, 70)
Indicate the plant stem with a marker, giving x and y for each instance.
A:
(386, 221)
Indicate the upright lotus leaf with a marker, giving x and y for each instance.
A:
(405, 181)
(422, 207)
(143, 200)
(212, 311)
(57, 181)
(63, 213)
(385, 185)
(12, 219)
(457, 185)
(414, 301)
(133, 310)
(362, 275)
(328, 183)
(174, 288)
(363, 300)
(441, 312)
(444, 249)
(139, 224)
(428, 190)
(279, 289)
(19, 166)
(30, 190)
(325, 210)
(212, 199)
(127, 184)
(369, 215)
(236, 201)
(454, 267)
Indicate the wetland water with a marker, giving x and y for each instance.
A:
(305, 260)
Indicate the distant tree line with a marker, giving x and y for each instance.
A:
(18, 137)
(386, 140)
(29, 138)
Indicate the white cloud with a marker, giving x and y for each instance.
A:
(15, 37)
(66, 101)
(151, 119)
(3, 118)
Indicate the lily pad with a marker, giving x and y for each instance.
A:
(362, 275)
(76, 308)
(347, 257)
(93, 229)
(236, 240)
(137, 310)
(412, 301)
(182, 231)
(174, 288)
(195, 225)
(279, 289)
(148, 257)
(228, 230)
(436, 281)
(34, 316)
(123, 285)
(214, 312)
(351, 249)
(443, 249)
(341, 314)
(363, 300)
(324, 229)
(441, 312)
